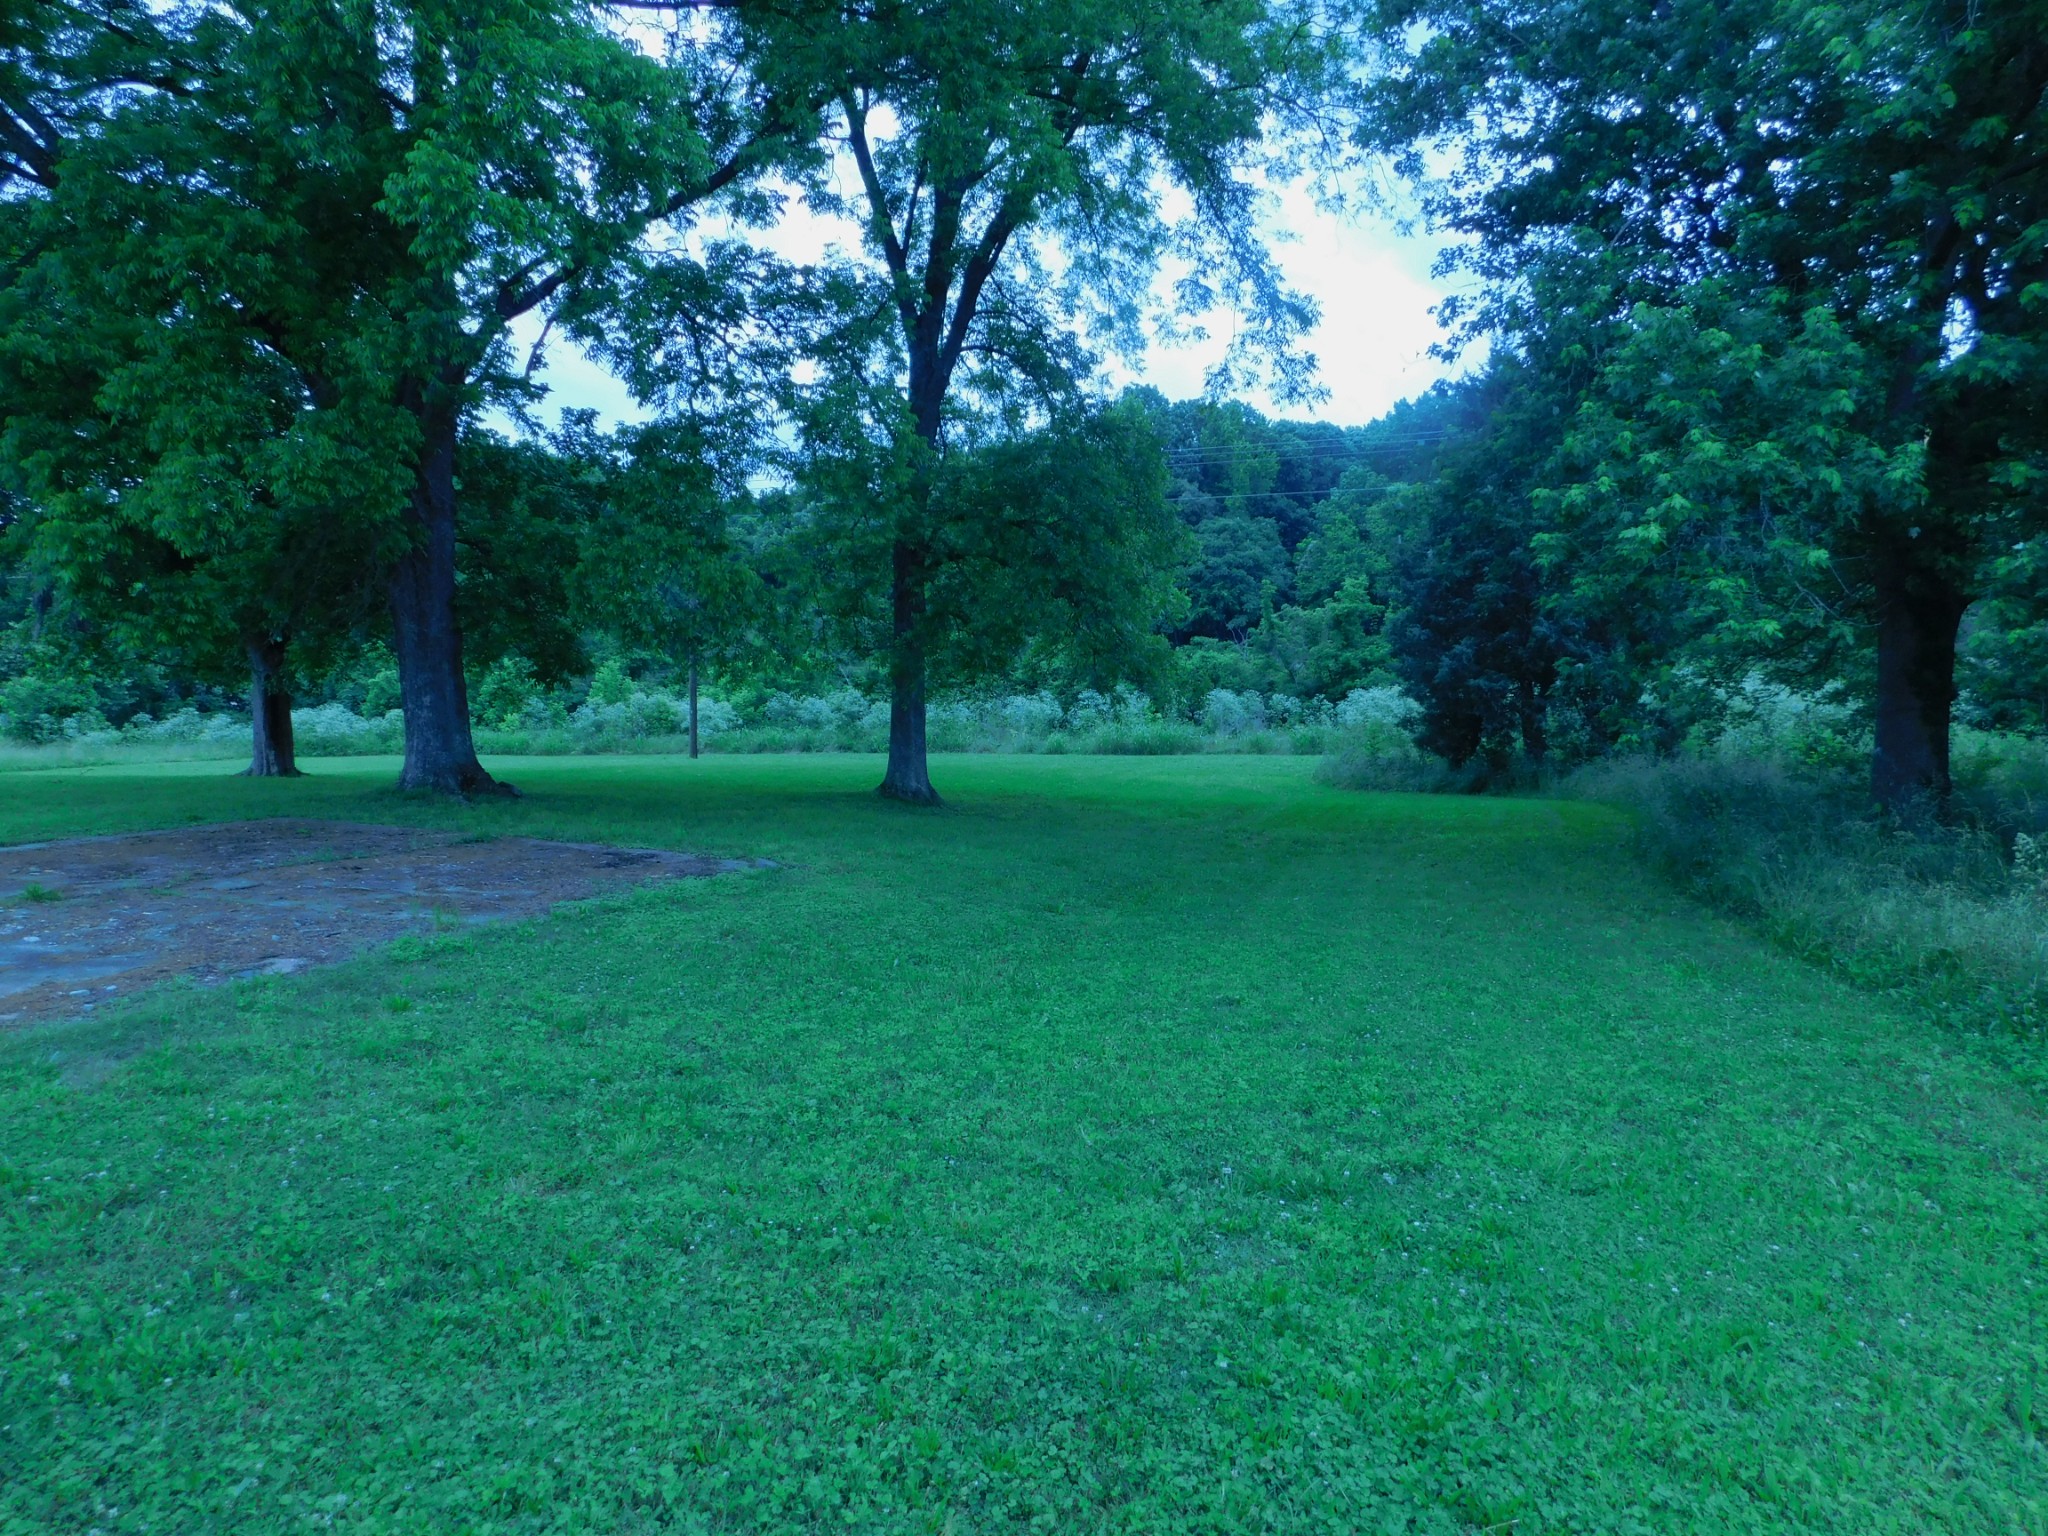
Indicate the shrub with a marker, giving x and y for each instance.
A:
(1952, 916)
(1375, 747)
(45, 706)
(1233, 714)
(1759, 719)
(648, 719)
(189, 726)
(1373, 708)
(332, 730)
(502, 695)
(610, 684)
(382, 693)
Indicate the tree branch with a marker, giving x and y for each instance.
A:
(987, 252)
(882, 222)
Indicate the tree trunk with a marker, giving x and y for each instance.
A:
(1920, 611)
(1531, 706)
(440, 753)
(271, 754)
(693, 706)
(908, 777)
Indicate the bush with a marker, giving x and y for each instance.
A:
(1953, 917)
(1759, 719)
(44, 706)
(1233, 714)
(365, 681)
(503, 695)
(610, 684)
(514, 716)
(332, 730)
(1378, 708)
(190, 727)
(1374, 747)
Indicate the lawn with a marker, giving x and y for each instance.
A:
(1135, 1144)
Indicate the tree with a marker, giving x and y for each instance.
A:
(65, 66)
(1849, 197)
(165, 472)
(203, 522)
(1053, 545)
(659, 568)
(1472, 638)
(449, 167)
(1239, 571)
(1012, 160)
(2004, 649)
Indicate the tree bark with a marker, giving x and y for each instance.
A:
(440, 753)
(908, 776)
(1919, 613)
(1531, 706)
(271, 753)
(693, 706)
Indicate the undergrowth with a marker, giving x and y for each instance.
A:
(1949, 912)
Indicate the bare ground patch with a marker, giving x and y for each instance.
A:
(91, 919)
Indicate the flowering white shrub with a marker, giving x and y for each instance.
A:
(1763, 719)
(334, 730)
(189, 725)
(1285, 709)
(1234, 714)
(1030, 714)
(617, 713)
(815, 712)
(715, 716)
(1365, 707)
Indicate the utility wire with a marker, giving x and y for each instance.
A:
(1235, 456)
(1256, 496)
(1321, 450)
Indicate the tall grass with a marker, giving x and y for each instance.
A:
(1950, 913)
(1770, 818)
(654, 721)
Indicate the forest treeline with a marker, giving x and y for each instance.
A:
(1759, 287)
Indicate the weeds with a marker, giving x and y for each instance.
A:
(1952, 914)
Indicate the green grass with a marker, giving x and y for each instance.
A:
(1136, 1144)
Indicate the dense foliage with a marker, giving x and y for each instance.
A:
(1762, 286)
(1782, 269)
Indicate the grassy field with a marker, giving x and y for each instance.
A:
(1134, 1145)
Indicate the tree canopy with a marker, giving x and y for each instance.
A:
(1012, 165)
(1786, 262)
(1760, 284)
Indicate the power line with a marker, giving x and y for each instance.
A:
(1201, 456)
(1324, 450)
(1258, 495)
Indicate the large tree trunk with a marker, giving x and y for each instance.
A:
(271, 754)
(440, 754)
(908, 777)
(1919, 612)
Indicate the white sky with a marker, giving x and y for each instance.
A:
(1371, 280)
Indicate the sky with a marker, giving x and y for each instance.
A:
(1370, 278)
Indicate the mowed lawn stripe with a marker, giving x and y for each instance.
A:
(1133, 1144)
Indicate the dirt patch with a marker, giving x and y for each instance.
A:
(88, 920)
